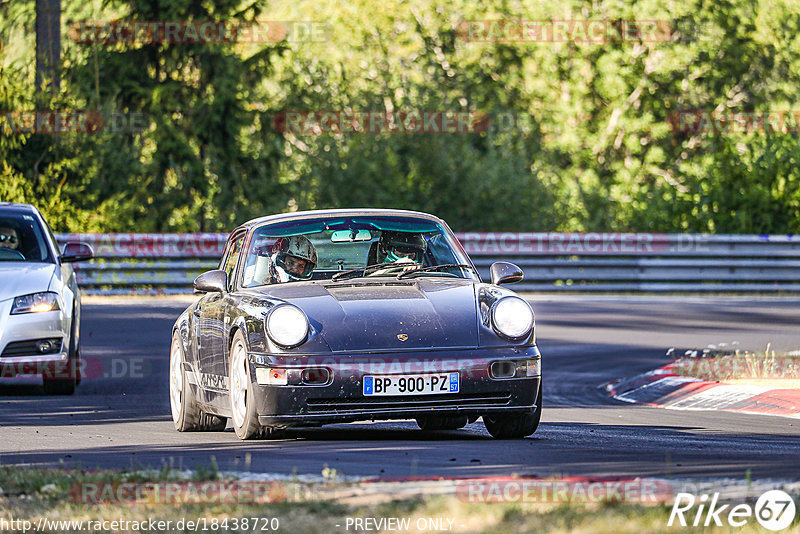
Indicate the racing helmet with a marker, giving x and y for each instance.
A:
(393, 246)
(299, 251)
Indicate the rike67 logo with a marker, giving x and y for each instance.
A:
(774, 510)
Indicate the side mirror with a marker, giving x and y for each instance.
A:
(76, 252)
(215, 281)
(503, 272)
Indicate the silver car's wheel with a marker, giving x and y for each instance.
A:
(65, 377)
(243, 406)
(175, 378)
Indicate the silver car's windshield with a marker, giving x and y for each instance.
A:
(337, 244)
(22, 239)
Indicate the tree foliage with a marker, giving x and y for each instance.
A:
(591, 147)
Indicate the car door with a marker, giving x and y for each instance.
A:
(213, 332)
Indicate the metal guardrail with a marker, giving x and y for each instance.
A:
(573, 262)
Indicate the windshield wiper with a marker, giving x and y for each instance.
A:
(435, 268)
(372, 267)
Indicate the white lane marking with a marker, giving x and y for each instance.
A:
(719, 397)
(638, 394)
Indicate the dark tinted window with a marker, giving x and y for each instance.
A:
(342, 243)
(22, 239)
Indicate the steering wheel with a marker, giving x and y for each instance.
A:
(5, 252)
(391, 268)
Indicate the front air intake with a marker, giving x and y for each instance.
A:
(504, 369)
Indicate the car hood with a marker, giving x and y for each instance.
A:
(20, 278)
(388, 314)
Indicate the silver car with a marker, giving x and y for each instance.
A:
(40, 303)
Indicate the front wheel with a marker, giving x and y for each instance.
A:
(517, 425)
(61, 378)
(65, 378)
(61, 385)
(186, 412)
(243, 406)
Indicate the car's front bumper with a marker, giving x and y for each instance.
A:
(24, 329)
(342, 399)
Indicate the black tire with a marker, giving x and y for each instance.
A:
(248, 427)
(59, 384)
(438, 422)
(187, 414)
(75, 347)
(66, 377)
(79, 369)
(515, 426)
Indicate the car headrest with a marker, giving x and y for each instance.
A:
(372, 256)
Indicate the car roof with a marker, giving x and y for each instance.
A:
(352, 212)
(16, 207)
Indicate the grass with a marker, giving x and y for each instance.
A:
(29, 494)
(742, 366)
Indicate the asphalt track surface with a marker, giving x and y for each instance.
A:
(120, 418)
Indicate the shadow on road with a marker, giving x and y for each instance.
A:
(398, 449)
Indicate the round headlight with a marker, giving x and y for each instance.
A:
(287, 326)
(512, 317)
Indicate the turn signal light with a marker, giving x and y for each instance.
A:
(271, 377)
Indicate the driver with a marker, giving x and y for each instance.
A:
(401, 248)
(9, 238)
(293, 258)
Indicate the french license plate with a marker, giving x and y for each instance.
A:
(429, 384)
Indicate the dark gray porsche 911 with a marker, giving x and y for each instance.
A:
(345, 315)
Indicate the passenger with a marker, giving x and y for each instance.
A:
(401, 248)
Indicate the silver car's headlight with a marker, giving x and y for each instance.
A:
(35, 303)
(287, 326)
(512, 318)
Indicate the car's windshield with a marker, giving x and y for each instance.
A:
(22, 239)
(320, 248)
